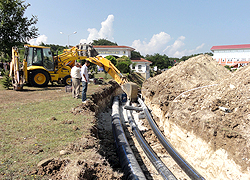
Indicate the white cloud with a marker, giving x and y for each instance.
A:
(174, 49)
(158, 44)
(38, 40)
(106, 31)
(155, 45)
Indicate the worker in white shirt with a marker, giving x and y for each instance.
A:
(76, 80)
(85, 80)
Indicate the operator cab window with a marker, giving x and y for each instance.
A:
(29, 56)
(37, 52)
(47, 59)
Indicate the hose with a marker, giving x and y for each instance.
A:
(127, 159)
(186, 167)
(155, 160)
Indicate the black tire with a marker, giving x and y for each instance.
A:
(39, 78)
(67, 80)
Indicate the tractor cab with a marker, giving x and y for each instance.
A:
(39, 56)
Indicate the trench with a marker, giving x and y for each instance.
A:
(211, 164)
(104, 132)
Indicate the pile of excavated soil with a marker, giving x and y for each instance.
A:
(202, 97)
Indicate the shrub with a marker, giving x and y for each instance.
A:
(6, 81)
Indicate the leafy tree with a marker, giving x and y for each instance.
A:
(15, 29)
(6, 81)
(124, 59)
(161, 61)
(123, 67)
(123, 64)
(103, 42)
(112, 59)
(209, 53)
(54, 48)
(135, 54)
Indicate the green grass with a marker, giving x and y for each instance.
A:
(28, 135)
(103, 75)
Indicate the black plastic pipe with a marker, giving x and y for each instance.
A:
(127, 159)
(155, 160)
(186, 167)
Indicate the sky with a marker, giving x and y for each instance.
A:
(173, 27)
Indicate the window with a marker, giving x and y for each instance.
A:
(37, 56)
(29, 57)
(139, 66)
(48, 60)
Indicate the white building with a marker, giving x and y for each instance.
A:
(232, 55)
(117, 51)
(141, 66)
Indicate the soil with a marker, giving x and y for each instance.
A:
(94, 155)
(203, 97)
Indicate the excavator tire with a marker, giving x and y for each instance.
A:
(39, 78)
(67, 80)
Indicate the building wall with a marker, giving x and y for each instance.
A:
(114, 52)
(143, 70)
(232, 57)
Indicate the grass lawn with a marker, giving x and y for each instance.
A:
(32, 127)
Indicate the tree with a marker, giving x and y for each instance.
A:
(103, 42)
(123, 67)
(54, 48)
(161, 61)
(135, 54)
(15, 29)
(112, 59)
(123, 64)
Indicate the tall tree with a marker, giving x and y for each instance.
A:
(103, 42)
(15, 29)
(54, 48)
(112, 59)
(161, 61)
(136, 54)
(123, 64)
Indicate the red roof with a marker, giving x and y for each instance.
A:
(127, 47)
(239, 46)
(140, 60)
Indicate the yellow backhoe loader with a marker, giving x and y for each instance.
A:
(39, 67)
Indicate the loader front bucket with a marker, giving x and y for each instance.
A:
(131, 89)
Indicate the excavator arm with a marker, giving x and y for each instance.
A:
(17, 72)
(130, 88)
(69, 56)
(87, 52)
(109, 68)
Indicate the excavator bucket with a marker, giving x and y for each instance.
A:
(131, 89)
(16, 73)
(86, 50)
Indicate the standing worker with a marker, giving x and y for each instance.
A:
(85, 80)
(76, 80)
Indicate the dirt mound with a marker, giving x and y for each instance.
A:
(92, 167)
(195, 72)
(201, 96)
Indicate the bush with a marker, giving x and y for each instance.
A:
(123, 67)
(6, 81)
